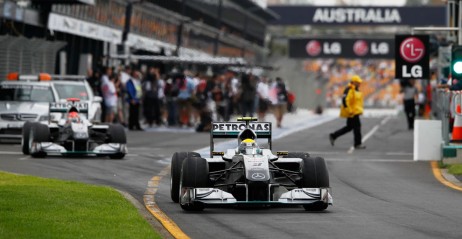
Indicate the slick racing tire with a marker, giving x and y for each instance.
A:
(25, 137)
(116, 133)
(316, 207)
(39, 133)
(117, 156)
(175, 172)
(194, 174)
(315, 175)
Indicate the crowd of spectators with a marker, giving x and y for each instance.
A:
(139, 99)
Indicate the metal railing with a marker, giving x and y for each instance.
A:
(444, 108)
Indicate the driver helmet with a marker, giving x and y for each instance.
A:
(73, 117)
(248, 146)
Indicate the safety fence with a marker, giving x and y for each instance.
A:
(20, 54)
(445, 107)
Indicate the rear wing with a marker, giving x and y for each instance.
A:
(231, 130)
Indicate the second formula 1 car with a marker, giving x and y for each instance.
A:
(73, 134)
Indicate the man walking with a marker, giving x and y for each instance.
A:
(351, 109)
(410, 94)
(134, 93)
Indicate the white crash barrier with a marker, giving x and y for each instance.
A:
(427, 140)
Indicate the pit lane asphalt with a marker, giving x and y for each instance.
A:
(378, 192)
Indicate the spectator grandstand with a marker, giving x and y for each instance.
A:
(380, 88)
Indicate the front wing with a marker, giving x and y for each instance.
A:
(214, 196)
(51, 148)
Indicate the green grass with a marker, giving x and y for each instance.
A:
(455, 169)
(32, 207)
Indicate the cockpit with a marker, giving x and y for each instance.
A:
(248, 144)
(73, 116)
(249, 147)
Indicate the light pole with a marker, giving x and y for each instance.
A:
(217, 38)
(179, 36)
(127, 25)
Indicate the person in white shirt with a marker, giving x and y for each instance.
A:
(125, 76)
(263, 98)
(109, 94)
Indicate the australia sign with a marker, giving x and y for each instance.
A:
(410, 16)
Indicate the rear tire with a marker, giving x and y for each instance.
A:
(194, 174)
(315, 175)
(40, 133)
(175, 172)
(26, 128)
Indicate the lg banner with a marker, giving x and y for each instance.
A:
(341, 48)
(412, 57)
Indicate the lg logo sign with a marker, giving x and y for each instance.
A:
(361, 48)
(314, 48)
(412, 58)
(412, 50)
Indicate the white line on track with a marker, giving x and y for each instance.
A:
(369, 153)
(399, 153)
(371, 132)
(10, 152)
(371, 160)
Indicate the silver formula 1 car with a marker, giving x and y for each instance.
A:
(73, 134)
(248, 174)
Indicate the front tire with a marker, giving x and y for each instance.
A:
(26, 128)
(194, 174)
(316, 207)
(39, 133)
(117, 156)
(116, 134)
(175, 172)
(315, 175)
